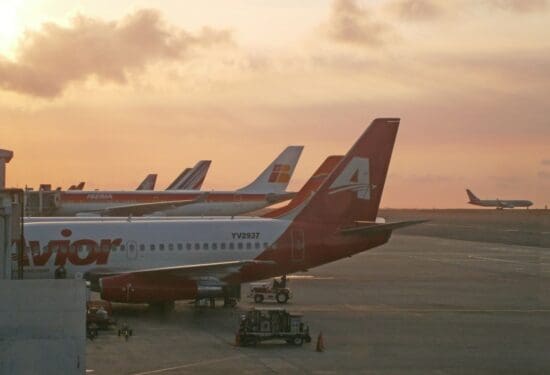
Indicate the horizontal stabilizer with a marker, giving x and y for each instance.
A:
(368, 227)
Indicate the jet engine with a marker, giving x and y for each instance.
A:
(142, 288)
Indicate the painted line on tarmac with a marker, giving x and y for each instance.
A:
(389, 309)
(506, 261)
(309, 277)
(201, 363)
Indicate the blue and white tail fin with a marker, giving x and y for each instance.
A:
(148, 183)
(178, 179)
(194, 178)
(275, 178)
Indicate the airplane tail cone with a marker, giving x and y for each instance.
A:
(320, 343)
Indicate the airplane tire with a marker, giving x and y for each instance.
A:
(298, 341)
(282, 297)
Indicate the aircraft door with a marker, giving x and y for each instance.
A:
(131, 250)
(298, 245)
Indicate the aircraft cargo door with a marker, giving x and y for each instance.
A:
(298, 246)
(131, 250)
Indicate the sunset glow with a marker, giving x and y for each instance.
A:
(107, 93)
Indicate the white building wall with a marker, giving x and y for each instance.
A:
(42, 326)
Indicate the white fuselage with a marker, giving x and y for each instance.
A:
(232, 205)
(82, 245)
(502, 203)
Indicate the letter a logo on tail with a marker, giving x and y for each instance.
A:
(355, 177)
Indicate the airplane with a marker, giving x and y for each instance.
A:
(312, 184)
(191, 178)
(499, 204)
(159, 261)
(148, 182)
(268, 189)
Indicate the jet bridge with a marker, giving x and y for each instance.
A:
(11, 234)
(42, 322)
(42, 202)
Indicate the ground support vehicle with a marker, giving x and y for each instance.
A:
(99, 315)
(259, 325)
(264, 292)
(125, 331)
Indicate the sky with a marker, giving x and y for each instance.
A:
(107, 92)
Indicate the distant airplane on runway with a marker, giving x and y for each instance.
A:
(499, 204)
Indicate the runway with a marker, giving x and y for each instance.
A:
(418, 305)
(515, 227)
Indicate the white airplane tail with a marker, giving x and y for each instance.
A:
(275, 178)
(195, 177)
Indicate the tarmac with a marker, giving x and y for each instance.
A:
(422, 304)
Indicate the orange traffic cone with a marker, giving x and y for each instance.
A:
(320, 343)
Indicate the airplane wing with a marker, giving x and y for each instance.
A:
(140, 209)
(218, 270)
(368, 227)
(213, 271)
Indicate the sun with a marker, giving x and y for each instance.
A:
(9, 23)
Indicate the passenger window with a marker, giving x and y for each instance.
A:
(170, 246)
(113, 248)
(141, 247)
(132, 247)
(122, 248)
(197, 246)
(188, 246)
(205, 246)
(104, 248)
(257, 246)
(152, 247)
(180, 246)
(248, 246)
(214, 246)
(231, 246)
(240, 246)
(222, 246)
(161, 247)
(266, 245)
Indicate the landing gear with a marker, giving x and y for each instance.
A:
(282, 297)
(229, 302)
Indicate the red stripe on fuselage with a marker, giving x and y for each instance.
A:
(151, 197)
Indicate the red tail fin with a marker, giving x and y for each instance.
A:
(353, 190)
(309, 188)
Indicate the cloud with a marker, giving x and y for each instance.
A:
(51, 58)
(349, 23)
(520, 6)
(415, 10)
